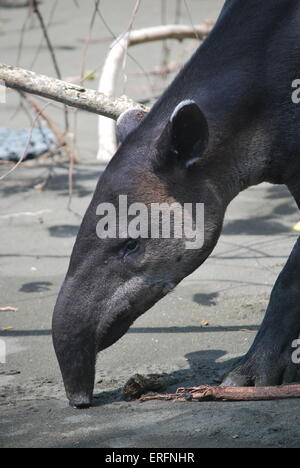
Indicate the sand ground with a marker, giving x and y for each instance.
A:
(230, 291)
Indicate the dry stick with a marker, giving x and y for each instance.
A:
(23, 30)
(61, 139)
(128, 32)
(191, 19)
(110, 72)
(82, 76)
(65, 93)
(34, 6)
(120, 37)
(36, 10)
(165, 48)
(41, 42)
(208, 393)
(23, 107)
(20, 48)
(165, 70)
(88, 41)
(173, 65)
(40, 160)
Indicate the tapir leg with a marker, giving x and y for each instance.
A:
(269, 361)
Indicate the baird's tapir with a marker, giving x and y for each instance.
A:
(227, 122)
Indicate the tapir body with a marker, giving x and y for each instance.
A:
(227, 122)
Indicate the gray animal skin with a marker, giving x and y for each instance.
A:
(227, 122)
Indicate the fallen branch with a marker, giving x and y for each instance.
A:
(208, 393)
(114, 60)
(65, 93)
(9, 309)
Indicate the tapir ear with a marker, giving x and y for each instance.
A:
(128, 122)
(186, 135)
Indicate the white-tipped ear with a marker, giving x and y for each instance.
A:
(189, 132)
(180, 106)
(128, 122)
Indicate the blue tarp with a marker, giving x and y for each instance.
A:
(13, 143)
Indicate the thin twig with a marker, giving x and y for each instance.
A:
(61, 139)
(41, 42)
(191, 20)
(82, 79)
(36, 10)
(165, 46)
(88, 41)
(26, 148)
(119, 39)
(23, 30)
(127, 34)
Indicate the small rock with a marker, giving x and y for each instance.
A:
(205, 323)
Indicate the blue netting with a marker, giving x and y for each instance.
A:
(14, 142)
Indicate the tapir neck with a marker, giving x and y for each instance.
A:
(236, 79)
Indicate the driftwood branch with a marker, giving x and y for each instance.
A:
(208, 393)
(115, 59)
(65, 93)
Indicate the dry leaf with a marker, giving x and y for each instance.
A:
(9, 309)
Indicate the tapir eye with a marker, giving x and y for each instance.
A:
(131, 246)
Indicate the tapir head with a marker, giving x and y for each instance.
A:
(115, 275)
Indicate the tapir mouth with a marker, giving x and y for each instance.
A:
(80, 403)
